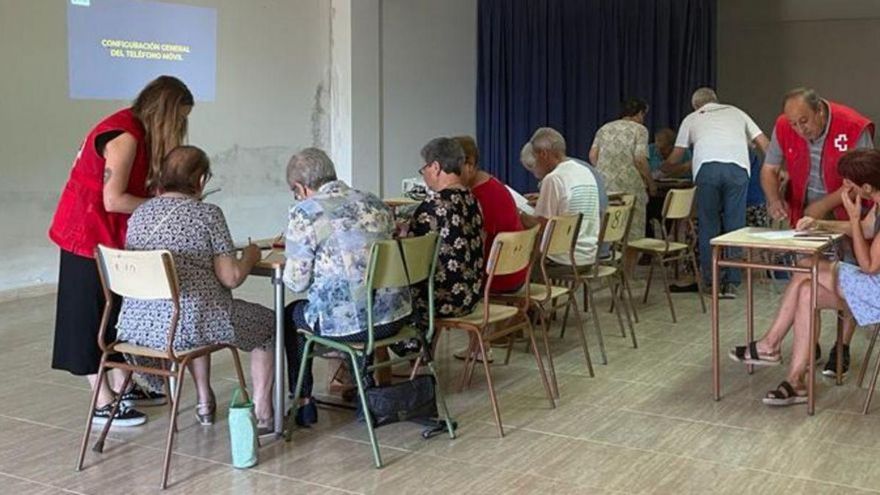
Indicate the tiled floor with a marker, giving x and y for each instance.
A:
(645, 424)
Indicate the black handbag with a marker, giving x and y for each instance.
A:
(412, 399)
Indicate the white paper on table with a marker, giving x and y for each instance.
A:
(776, 235)
(521, 202)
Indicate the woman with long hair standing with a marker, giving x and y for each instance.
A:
(111, 176)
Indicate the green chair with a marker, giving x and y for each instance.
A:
(393, 264)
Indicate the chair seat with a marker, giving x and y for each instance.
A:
(138, 350)
(602, 272)
(538, 292)
(405, 333)
(497, 312)
(656, 245)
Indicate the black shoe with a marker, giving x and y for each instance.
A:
(831, 367)
(139, 397)
(676, 289)
(728, 291)
(125, 416)
(307, 414)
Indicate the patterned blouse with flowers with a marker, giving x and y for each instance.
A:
(328, 244)
(455, 215)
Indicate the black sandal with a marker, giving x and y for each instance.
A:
(784, 395)
(749, 355)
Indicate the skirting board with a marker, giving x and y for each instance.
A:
(27, 292)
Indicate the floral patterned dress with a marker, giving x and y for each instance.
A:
(458, 281)
(620, 142)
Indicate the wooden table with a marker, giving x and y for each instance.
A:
(272, 266)
(810, 248)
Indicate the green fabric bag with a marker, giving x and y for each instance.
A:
(242, 431)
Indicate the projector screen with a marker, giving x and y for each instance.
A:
(115, 47)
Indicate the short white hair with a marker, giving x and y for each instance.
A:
(547, 138)
(703, 96)
(527, 157)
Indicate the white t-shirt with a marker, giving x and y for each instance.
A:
(718, 133)
(571, 188)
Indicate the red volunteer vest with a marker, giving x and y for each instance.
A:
(80, 221)
(843, 132)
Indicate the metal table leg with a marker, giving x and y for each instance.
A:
(278, 399)
(716, 372)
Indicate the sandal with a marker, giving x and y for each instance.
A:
(205, 411)
(785, 395)
(749, 355)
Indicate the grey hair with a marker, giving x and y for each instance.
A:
(547, 138)
(310, 167)
(703, 96)
(445, 151)
(810, 96)
(527, 156)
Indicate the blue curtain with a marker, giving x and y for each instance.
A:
(568, 64)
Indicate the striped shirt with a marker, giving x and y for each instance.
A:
(571, 188)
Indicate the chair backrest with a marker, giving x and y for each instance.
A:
(511, 252)
(138, 274)
(560, 234)
(679, 203)
(401, 263)
(616, 223)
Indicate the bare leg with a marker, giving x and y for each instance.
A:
(800, 352)
(105, 395)
(772, 340)
(849, 329)
(262, 367)
(200, 369)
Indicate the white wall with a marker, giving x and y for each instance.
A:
(766, 47)
(409, 74)
(272, 98)
(429, 79)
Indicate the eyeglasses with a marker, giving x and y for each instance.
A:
(422, 170)
(208, 174)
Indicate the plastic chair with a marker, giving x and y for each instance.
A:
(511, 252)
(677, 209)
(144, 275)
(393, 264)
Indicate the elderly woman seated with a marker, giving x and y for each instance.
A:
(196, 234)
(852, 288)
(331, 230)
(453, 212)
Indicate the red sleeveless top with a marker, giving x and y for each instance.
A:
(843, 132)
(80, 222)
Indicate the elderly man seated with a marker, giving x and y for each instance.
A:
(567, 187)
(332, 228)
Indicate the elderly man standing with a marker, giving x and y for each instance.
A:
(720, 135)
(332, 228)
(566, 187)
(809, 138)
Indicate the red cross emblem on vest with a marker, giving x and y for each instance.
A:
(840, 142)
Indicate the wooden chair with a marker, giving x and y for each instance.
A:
(144, 275)
(677, 209)
(614, 230)
(864, 367)
(393, 264)
(617, 254)
(559, 237)
(511, 252)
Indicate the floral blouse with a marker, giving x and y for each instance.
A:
(328, 243)
(455, 215)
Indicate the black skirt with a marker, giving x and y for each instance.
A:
(78, 313)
